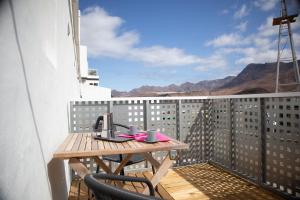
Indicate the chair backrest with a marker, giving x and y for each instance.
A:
(98, 125)
(105, 123)
(104, 191)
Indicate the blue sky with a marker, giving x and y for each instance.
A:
(138, 42)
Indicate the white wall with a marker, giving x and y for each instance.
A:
(95, 93)
(83, 61)
(42, 110)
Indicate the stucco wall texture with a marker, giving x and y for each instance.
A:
(37, 80)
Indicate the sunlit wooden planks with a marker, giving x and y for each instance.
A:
(195, 182)
(84, 145)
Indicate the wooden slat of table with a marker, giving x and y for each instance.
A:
(106, 145)
(112, 145)
(63, 146)
(77, 143)
(84, 145)
(119, 146)
(71, 143)
(88, 146)
(132, 144)
(126, 145)
(94, 143)
(100, 144)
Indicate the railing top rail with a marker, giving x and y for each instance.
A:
(266, 95)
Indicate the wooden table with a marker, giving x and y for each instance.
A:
(83, 145)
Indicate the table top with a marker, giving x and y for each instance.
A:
(84, 145)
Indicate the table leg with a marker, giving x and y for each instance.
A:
(108, 170)
(152, 160)
(102, 165)
(122, 164)
(162, 170)
(78, 167)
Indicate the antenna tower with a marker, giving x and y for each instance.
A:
(284, 37)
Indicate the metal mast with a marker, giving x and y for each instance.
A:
(285, 36)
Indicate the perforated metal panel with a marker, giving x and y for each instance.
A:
(162, 115)
(221, 135)
(282, 144)
(192, 130)
(83, 114)
(246, 132)
(129, 113)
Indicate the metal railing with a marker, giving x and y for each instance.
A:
(253, 136)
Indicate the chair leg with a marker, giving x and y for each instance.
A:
(78, 190)
(122, 172)
(98, 169)
(153, 169)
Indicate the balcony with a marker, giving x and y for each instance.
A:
(237, 143)
(92, 72)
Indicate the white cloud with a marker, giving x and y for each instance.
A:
(232, 39)
(264, 43)
(296, 38)
(259, 47)
(267, 29)
(225, 11)
(258, 56)
(296, 25)
(163, 56)
(265, 5)
(242, 12)
(242, 26)
(101, 33)
(216, 61)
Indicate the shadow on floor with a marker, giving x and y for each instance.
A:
(216, 184)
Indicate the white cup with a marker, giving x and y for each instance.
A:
(151, 135)
(132, 130)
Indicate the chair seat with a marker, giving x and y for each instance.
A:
(133, 160)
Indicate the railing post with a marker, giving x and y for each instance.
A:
(110, 105)
(262, 164)
(145, 112)
(178, 127)
(178, 119)
(207, 130)
(232, 134)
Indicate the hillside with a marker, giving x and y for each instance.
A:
(259, 78)
(254, 78)
(187, 87)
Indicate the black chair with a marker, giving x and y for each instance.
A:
(116, 158)
(103, 191)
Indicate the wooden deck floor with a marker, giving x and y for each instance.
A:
(196, 182)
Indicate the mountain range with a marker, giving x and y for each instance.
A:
(254, 78)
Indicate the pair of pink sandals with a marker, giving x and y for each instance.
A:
(142, 136)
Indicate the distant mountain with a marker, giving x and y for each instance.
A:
(188, 87)
(254, 78)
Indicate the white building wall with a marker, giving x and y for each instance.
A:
(95, 93)
(83, 61)
(34, 102)
(90, 88)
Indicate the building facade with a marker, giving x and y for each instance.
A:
(40, 75)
